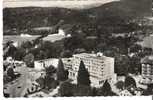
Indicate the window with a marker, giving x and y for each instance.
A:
(70, 73)
(73, 74)
(75, 68)
(100, 82)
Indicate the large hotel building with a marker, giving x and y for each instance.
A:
(147, 70)
(100, 67)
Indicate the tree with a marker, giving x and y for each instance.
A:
(29, 60)
(94, 91)
(50, 70)
(66, 89)
(73, 42)
(41, 82)
(61, 72)
(10, 51)
(20, 53)
(101, 46)
(10, 73)
(91, 41)
(82, 90)
(129, 82)
(41, 55)
(66, 54)
(105, 90)
(120, 85)
(135, 48)
(122, 64)
(149, 90)
(147, 51)
(135, 65)
(83, 75)
(49, 79)
(26, 44)
(111, 51)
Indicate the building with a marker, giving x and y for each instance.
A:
(125, 93)
(9, 60)
(138, 91)
(67, 63)
(100, 68)
(41, 64)
(147, 70)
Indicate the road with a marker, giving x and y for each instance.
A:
(18, 87)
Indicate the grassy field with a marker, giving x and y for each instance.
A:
(19, 39)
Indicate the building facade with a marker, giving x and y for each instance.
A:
(100, 68)
(41, 64)
(125, 93)
(147, 70)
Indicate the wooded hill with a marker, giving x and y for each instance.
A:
(111, 17)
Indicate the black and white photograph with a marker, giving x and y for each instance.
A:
(77, 48)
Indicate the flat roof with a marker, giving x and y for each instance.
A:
(147, 60)
(89, 55)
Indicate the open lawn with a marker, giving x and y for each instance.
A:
(19, 39)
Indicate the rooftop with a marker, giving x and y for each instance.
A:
(91, 55)
(147, 60)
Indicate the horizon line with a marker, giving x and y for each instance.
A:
(59, 3)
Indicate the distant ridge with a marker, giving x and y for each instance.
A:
(74, 4)
(113, 14)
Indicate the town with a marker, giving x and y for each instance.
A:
(65, 52)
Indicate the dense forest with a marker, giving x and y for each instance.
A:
(111, 17)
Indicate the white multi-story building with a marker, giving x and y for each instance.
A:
(41, 64)
(100, 68)
(147, 70)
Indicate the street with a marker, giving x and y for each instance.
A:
(18, 87)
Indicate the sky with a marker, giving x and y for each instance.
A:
(136, 5)
(55, 3)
